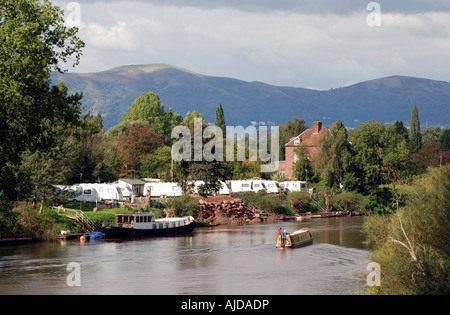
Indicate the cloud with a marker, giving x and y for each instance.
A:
(294, 43)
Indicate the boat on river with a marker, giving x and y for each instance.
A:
(143, 224)
(299, 238)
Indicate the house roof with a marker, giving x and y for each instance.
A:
(308, 138)
(132, 181)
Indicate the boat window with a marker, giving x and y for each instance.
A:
(87, 192)
(245, 185)
(110, 190)
(100, 189)
(256, 185)
(175, 188)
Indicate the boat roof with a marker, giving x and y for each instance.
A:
(301, 231)
(134, 214)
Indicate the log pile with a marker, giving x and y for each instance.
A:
(232, 211)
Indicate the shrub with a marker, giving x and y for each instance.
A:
(352, 201)
(299, 200)
(183, 206)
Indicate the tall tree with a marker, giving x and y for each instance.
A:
(220, 120)
(414, 131)
(336, 159)
(148, 107)
(444, 139)
(33, 42)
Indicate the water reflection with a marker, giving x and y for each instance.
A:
(219, 260)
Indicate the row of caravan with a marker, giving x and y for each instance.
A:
(97, 192)
(106, 192)
(159, 189)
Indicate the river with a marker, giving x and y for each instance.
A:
(222, 260)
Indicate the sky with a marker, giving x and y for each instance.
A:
(319, 44)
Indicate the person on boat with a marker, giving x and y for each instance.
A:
(280, 240)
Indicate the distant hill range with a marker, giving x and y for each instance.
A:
(111, 93)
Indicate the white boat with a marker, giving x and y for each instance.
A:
(143, 224)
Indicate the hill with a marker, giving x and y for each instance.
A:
(111, 93)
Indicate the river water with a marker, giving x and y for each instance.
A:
(238, 260)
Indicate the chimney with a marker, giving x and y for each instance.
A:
(333, 125)
(317, 126)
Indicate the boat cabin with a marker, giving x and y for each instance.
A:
(144, 221)
(133, 220)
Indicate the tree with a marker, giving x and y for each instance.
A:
(444, 139)
(33, 42)
(220, 120)
(291, 129)
(335, 161)
(302, 166)
(431, 133)
(414, 131)
(411, 246)
(135, 143)
(396, 156)
(431, 154)
(148, 107)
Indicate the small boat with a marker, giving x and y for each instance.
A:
(143, 224)
(299, 238)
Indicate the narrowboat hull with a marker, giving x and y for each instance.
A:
(124, 232)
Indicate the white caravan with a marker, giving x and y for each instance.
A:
(272, 187)
(108, 191)
(294, 185)
(258, 184)
(241, 185)
(85, 193)
(225, 188)
(163, 189)
(125, 190)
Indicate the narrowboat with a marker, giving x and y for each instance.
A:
(299, 238)
(143, 224)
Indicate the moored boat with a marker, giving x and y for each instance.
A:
(299, 238)
(143, 224)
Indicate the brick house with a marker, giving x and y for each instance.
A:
(309, 138)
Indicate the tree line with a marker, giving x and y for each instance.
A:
(362, 159)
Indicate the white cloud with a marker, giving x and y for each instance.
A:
(282, 47)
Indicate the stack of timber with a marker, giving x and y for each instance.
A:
(231, 210)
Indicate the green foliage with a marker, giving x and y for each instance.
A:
(291, 129)
(302, 167)
(148, 108)
(412, 246)
(220, 120)
(352, 201)
(414, 131)
(183, 206)
(444, 139)
(268, 202)
(33, 41)
(335, 162)
(299, 200)
(35, 225)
